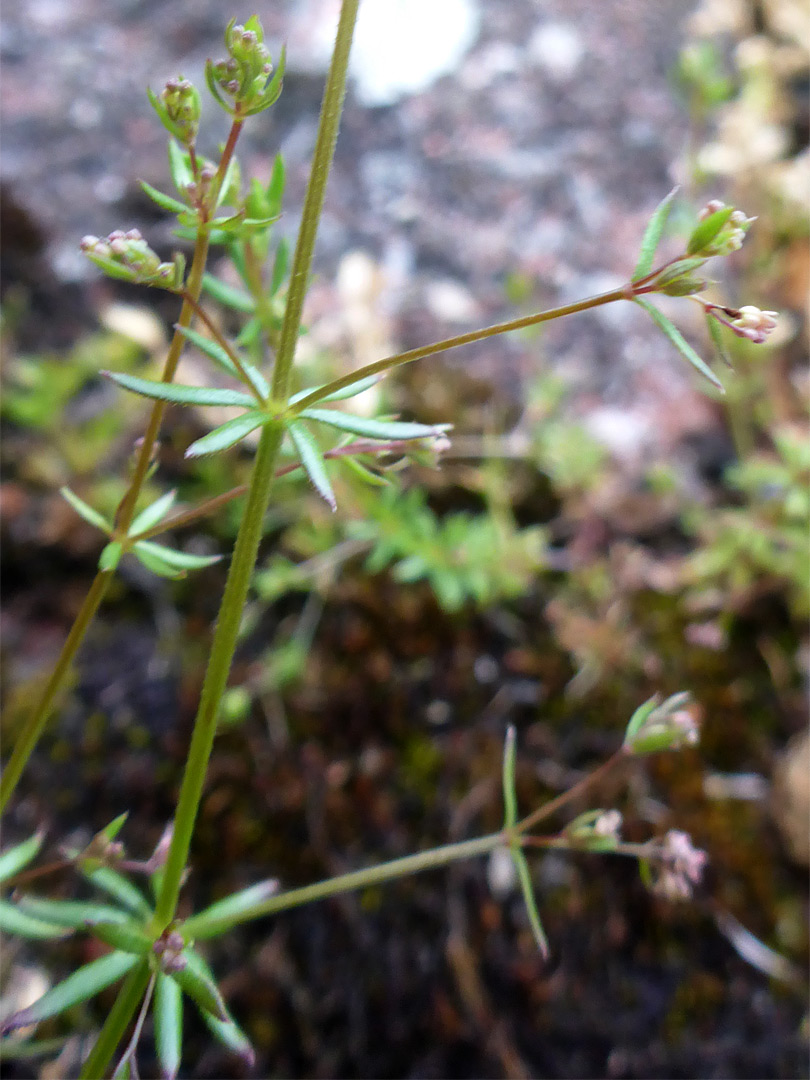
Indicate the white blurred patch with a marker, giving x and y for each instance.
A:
(401, 46)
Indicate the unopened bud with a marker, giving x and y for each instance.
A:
(747, 322)
(669, 725)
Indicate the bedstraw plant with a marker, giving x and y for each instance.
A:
(151, 951)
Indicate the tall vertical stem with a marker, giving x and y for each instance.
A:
(250, 530)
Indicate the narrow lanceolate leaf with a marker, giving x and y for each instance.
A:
(227, 1031)
(153, 514)
(525, 878)
(93, 517)
(374, 429)
(281, 264)
(639, 718)
(312, 459)
(229, 296)
(15, 921)
(119, 887)
(82, 985)
(680, 343)
(166, 202)
(368, 476)
(509, 795)
(339, 395)
(227, 434)
(17, 1049)
(166, 562)
(231, 1035)
(18, 857)
(652, 236)
(181, 395)
(219, 355)
(275, 186)
(168, 1019)
(73, 914)
(214, 920)
(196, 981)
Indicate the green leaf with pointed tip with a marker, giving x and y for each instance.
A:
(214, 920)
(216, 352)
(525, 878)
(231, 182)
(181, 395)
(163, 114)
(153, 514)
(109, 832)
(227, 434)
(19, 856)
(213, 88)
(167, 562)
(182, 560)
(652, 236)
(639, 718)
(91, 516)
(250, 333)
(110, 556)
(273, 89)
(680, 343)
(312, 460)
(168, 1020)
(195, 981)
(339, 395)
(117, 886)
(73, 914)
(227, 295)
(509, 794)
(165, 202)
(124, 936)
(705, 231)
(15, 921)
(227, 1031)
(81, 985)
(373, 429)
(180, 167)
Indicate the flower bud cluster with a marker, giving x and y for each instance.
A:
(181, 102)
(127, 255)
(680, 866)
(244, 75)
(746, 322)
(668, 725)
(733, 225)
(169, 950)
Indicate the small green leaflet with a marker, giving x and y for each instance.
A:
(179, 394)
(227, 434)
(652, 235)
(152, 515)
(312, 459)
(166, 562)
(228, 296)
(680, 343)
(374, 429)
(339, 395)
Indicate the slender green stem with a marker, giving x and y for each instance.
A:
(250, 531)
(115, 1026)
(389, 362)
(30, 734)
(216, 675)
(313, 202)
(357, 879)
